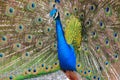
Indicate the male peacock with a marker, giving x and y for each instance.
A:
(29, 40)
(66, 53)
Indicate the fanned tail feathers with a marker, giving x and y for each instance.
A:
(28, 39)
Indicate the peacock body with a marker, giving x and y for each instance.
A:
(83, 37)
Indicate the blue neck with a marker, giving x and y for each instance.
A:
(60, 33)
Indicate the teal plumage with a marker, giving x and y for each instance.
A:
(29, 38)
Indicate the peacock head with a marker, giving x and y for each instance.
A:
(54, 14)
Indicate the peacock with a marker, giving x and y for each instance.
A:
(79, 37)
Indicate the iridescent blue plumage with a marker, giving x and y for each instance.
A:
(66, 53)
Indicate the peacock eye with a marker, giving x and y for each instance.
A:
(101, 24)
(92, 7)
(86, 50)
(93, 34)
(10, 11)
(81, 16)
(48, 29)
(115, 34)
(31, 6)
(97, 47)
(54, 46)
(42, 65)
(85, 72)
(46, 68)
(29, 69)
(28, 38)
(106, 63)
(94, 77)
(98, 78)
(78, 65)
(115, 55)
(34, 70)
(11, 77)
(38, 20)
(39, 44)
(51, 67)
(18, 45)
(55, 63)
(4, 38)
(19, 28)
(67, 14)
(81, 71)
(107, 41)
(75, 9)
(108, 11)
(27, 54)
(1, 55)
(85, 38)
(88, 23)
(89, 71)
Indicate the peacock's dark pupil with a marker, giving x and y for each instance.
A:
(1, 55)
(100, 68)
(29, 37)
(46, 68)
(107, 9)
(88, 22)
(116, 56)
(42, 65)
(20, 27)
(85, 72)
(101, 23)
(98, 78)
(34, 70)
(97, 47)
(33, 5)
(115, 34)
(67, 14)
(48, 29)
(91, 7)
(39, 19)
(88, 70)
(39, 43)
(3, 38)
(78, 65)
(81, 15)
(106, 63)
(29, 70)
(55, 63)
(10, 77)
(26, 54)
(94, 77)
(11, 10)
(18, 45)
(93, 33)
(75, 9)
(107, 41)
